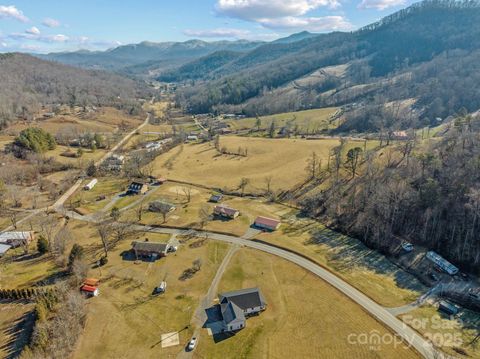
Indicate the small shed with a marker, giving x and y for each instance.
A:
(269, 224)
(216, 198)
(90, 291)
(90, 184)
(225, 212)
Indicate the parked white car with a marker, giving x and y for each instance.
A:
(192, 344)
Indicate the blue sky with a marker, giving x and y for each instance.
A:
(55, 25)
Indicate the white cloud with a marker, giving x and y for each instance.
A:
(218, 33)
(12, 12)
(257, 9)
(3, 44)
(58, 38)
(285, 14)
(315, 24)
(39, 37)
(49, 22)
(33, 30)
(380, 4)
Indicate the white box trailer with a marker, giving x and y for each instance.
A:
(442, 263)
(90, 184)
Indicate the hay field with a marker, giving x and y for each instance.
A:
(284, 160)
(105, 120)
(125, 321)
(305, 317)
(308, 120)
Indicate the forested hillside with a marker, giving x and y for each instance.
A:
(199, 68)
(426, 195)
(27, 83)
(409, 54)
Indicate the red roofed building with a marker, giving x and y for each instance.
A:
(226, 212)
(269, 224)
(89, 290)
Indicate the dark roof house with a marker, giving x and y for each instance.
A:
(137, 188)
(235, 306)
(149, 249)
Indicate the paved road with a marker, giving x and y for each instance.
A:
(199, 316)
(380, 313)
(410, 336)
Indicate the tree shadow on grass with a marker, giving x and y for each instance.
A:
(19, 334)
(346, 254)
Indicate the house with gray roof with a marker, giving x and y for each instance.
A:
(237, 305)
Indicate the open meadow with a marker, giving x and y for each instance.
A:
(282, 160)
(295, 299)
(127, 321)
(104, 120)
(308, 121)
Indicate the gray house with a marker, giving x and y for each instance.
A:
(235, 306)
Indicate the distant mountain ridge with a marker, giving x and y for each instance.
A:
(398, 58)
(165, 53)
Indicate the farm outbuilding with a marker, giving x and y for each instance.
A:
(89, 290)
(90, 184)
(137, 188)
(216, 198)
(269, 224)
(16, 238)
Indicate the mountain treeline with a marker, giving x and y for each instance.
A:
(426, 195)
(29, 83)
(410, 54)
